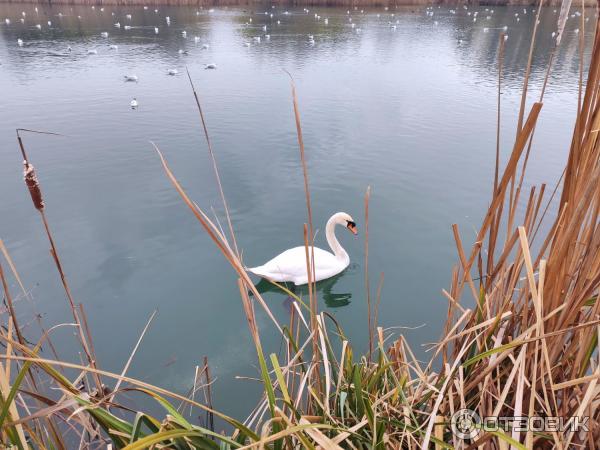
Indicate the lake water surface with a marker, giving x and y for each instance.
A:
(410, 112)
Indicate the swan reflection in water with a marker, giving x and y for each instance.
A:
(323, 288)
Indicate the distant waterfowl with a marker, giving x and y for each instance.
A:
(128, 16)
(127, 27)
(184, 33)
(246, 44)
(118, 25)
(155, 30)
(22, 20)
(20, 42)
(290, 266)
(256, 39)
(104, 34)
(49, 23)
(205, 46)
(7, 21)
(196, 39)
(131, 78)
(133, 103)
(38, 26)
(172, 72)
(92, 52)
(113, 47)
(182, 52)
(210, 66)
(267, 36)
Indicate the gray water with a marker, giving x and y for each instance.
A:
(410, 112)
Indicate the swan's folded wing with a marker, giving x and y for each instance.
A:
(291, 265)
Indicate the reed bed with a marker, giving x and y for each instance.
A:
(520, 339)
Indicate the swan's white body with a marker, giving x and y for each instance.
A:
(290, 266)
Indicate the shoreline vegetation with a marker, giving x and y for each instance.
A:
(294, 3)
(520, 339)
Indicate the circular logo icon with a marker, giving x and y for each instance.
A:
(465, 424)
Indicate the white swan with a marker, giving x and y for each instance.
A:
(291, 264)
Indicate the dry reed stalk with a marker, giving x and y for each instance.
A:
(208, 396)
(215, 166)
(367, 281)
(309, 240)
(132, 354)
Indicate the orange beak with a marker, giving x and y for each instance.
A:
(353, 229)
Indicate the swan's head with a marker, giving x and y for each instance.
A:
(346, 220)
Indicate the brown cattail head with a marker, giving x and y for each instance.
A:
(34, 186)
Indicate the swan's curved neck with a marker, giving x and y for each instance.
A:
(337, 249)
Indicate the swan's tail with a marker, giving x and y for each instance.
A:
(258, 270)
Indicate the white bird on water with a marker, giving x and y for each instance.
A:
(118, 25)
(172, 72)
(127, 27)
(131, 78)
(134, 103)
(210, 66)
(205, 46)
(290, 266)
(92, 52)
(114, 47)
(104, 34)
(20, 42)
(7, 21)
(155, 30)
(184, 33)
(38, 26)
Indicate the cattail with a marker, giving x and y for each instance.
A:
(33, 185)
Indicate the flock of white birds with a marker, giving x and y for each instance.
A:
(392, 22)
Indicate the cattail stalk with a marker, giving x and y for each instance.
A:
(35, 191)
